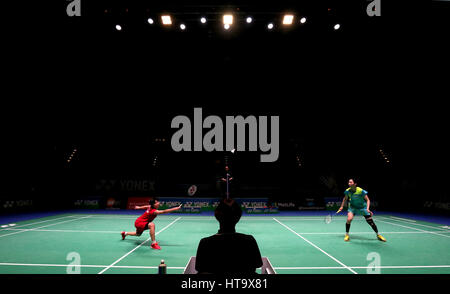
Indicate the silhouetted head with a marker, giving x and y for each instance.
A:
(228, 213)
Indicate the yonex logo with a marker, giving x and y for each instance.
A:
(8, 204)
(215, 140)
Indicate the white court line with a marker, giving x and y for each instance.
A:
(211, 217)
(40, 222)
(84, 265)
(302, 233)
(404, 219)
(27, 230)
(77, 231)
(315, 246)
(363, 267)
(416, 224)
(179, 267)
(378, 220)
(137, 247)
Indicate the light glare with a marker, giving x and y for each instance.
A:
(228, 19)
(288, 19)
(166, 19)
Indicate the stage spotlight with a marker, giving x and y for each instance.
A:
(182, 26)
(337, 26)
(270, 26)
(166, 19)
(227, 19)
(203, 20)
(249, 19)
(226, 26)
(303, 20)
(118, 27)
(150, 21)
(288, 19)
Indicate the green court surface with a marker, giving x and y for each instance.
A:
(294, 245)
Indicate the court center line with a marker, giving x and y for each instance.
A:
(416, 224)
(315, 246)
(27, 230)
(394, 224)
(49, 220)
(118, 260)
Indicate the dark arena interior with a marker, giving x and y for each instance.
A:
(274, 105)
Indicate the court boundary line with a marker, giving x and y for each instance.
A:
(84, 265)
(28, 230)
(124, 256)
(303, 233)
(415, 223)
(179, 267)
(364, 267)
(404, 219)
(318, 218)
(394, 224)
(39, 222)
(315, 246)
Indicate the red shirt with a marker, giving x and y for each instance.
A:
(148, 216)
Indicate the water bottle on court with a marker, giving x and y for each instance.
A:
(162, 269)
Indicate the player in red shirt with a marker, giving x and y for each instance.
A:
(145, 221)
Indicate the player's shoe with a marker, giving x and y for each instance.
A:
(155, 246)
(123, 235)
(347, 238)
(381, 238)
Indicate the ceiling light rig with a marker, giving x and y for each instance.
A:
(228, 19)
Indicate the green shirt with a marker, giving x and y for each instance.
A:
(356, 199)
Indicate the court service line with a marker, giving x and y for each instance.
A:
(114, 263)
(394, 224)
(27, 230)
(315, 246)
(49, 220)
(416, 224)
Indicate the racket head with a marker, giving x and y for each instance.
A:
(328, 218)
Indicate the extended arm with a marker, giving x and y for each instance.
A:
(142, 207)
(168, 210)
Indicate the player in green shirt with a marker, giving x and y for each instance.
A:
(358, 204)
